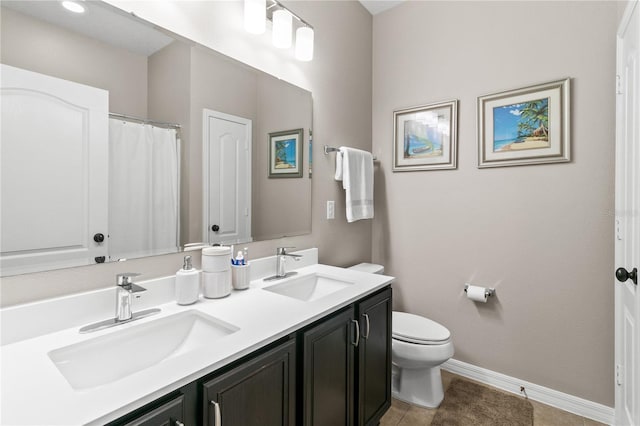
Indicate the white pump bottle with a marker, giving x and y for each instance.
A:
(187, 283)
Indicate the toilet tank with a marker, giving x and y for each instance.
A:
(371, 268)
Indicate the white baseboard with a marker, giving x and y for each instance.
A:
(563, 401)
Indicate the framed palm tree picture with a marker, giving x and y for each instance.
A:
(285, 154)
(525, 126)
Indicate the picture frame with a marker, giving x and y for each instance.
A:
(426, 137)
(285, 154)
(525, 126)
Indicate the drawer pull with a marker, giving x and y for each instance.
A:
(357, 333)
(366, 334)
(216, 411)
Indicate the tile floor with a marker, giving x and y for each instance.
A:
(403, 414)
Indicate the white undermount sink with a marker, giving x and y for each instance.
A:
(309, 287)
(108, 358)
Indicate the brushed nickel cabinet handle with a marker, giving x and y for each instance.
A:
(217, 416)
(366, 317)
(357, 333)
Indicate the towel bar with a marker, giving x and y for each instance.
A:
(328, 149)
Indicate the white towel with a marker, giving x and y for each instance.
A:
(338, 175)
(357, 181)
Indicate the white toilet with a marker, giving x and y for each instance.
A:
(419, 347)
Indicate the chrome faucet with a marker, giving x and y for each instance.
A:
(123, 295)
(124, 291)
(281, 256)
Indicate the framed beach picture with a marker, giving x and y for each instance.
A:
(525, 126)
(425, 137)
(285, 154)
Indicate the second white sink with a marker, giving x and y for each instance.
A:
(116, 355)
(309, 287)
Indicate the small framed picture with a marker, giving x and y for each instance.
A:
(285, 154)
(425, 137)
(525, 126)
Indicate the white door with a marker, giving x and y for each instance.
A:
(53, 153)
(627, 248)
(226, 178)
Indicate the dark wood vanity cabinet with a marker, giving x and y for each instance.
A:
(335, 371)
(328, 369)
(374, 358)
(347, 365)
(259, 392)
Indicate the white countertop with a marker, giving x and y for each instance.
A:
(34, 392)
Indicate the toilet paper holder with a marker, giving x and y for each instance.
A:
(487, 291)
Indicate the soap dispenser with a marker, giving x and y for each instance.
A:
(187, 283)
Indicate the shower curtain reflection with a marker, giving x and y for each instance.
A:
(143, 189)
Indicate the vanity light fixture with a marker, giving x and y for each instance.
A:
(304, 44)
(257, 11)
(282, 25)
(73, 6)
(255, 16)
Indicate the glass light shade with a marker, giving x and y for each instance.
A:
(73, 6)
(282, 27)
(304, 44)
(255, 16)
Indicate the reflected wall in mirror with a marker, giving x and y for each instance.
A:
(158, 77)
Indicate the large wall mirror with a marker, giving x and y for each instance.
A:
(121, 140)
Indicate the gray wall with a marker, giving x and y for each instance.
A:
(281, 206)
(541, 235)
(169, 98)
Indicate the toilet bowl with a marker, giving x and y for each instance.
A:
(419, 346)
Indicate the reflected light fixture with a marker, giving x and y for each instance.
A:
(73, 6)
(304, 44)
(255, 16)
(282, 25)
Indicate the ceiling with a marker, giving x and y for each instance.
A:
(376, 6)
(98, 22)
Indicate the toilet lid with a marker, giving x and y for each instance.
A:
(416, 329)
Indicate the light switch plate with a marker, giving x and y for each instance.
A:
(331, 209)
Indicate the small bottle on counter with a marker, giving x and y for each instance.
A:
(187, 283)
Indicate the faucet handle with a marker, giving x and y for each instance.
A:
(125, 278)
(283, 250)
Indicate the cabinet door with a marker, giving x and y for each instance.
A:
(260, 392)
(374, 358)
(329, 371)
(168, 414)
